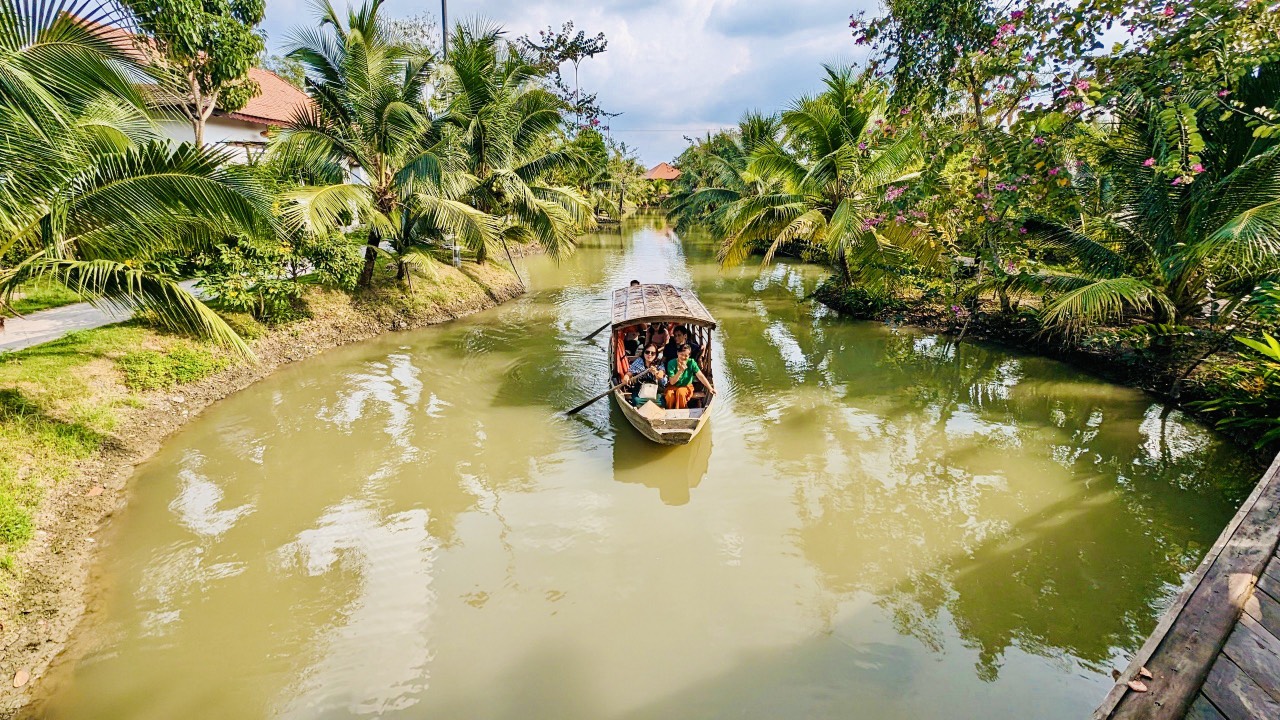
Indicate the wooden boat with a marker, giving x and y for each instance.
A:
(669, 306)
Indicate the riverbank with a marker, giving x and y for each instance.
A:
(79, 413)
(1195, 374)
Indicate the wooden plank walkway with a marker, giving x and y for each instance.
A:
(1215, 654)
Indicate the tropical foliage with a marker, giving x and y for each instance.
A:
(441, 152)
(508, 126)
(402, 152)
(91, 191)
(200, 53)
(996, 167)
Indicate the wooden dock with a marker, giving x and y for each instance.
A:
(1216, 652)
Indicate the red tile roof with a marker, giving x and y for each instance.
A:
(662, 171)
(275, 105)
(278, 102)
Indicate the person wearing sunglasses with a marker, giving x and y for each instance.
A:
(648, 358)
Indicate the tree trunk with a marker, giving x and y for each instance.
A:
(370, 256)
(201, 108)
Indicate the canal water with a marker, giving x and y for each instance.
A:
(876, 523)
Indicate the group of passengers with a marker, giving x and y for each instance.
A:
(667, 362)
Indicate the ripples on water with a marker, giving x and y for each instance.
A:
(876, 523)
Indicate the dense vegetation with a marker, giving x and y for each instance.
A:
(403, 158)
(992, 169)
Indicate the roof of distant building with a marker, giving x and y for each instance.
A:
(662, 171)
(275, 105)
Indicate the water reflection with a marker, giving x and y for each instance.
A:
(966, 488)
(674, 471)
(877, 522)
(380, 643)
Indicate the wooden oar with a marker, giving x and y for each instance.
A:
(606, 392)
(598, 331)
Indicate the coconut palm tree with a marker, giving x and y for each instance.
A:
(91, 190)
(714, 172)
(369, 113)
(56, 56)
(508, 125)
(824, 184)
(1167, 245)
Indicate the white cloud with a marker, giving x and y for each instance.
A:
(673, 67)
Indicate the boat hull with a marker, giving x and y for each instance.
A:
(664, 429)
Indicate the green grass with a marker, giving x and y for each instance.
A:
(151, 370)
(60, 401)
(39, 296)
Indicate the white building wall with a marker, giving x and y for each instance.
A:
(240, 136)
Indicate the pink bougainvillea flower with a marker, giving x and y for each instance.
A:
(1053, 171)
(1017, 14)
(1169, 11)
(1197, 168)
(1223, 93)
(1177, 181)
(1148, 162)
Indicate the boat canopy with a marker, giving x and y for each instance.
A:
(658, 303)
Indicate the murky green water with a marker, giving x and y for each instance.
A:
(875, 524)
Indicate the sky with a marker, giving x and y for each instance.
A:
(673, 68)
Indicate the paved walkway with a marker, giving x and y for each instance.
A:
(41, 327)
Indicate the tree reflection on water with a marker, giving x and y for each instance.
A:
(968, 487)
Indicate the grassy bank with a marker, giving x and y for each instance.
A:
(78, 413)
(60, 402)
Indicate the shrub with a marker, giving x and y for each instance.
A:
(149, 369)
(856, 301)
